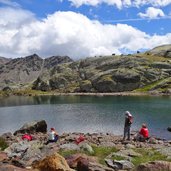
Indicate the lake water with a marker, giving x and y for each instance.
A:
(87, 113)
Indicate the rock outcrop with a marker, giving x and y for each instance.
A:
(33, 127)
(164, 51)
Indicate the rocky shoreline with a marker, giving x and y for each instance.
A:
(98, 152)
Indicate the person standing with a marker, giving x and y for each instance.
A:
(127, 125)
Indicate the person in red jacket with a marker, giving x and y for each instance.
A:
(143, 133)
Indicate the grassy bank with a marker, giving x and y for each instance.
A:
(102, 152)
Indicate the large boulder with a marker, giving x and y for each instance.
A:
(119, 164)
(33, 127)
(155, 166)
(54, 162)
(169, 129)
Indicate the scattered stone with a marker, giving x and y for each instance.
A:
(155, 166)
(97, 167)
(24, 154)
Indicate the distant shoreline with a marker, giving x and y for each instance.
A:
(105, 94)
(53, 93)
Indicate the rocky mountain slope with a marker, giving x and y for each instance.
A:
(21, 72)
(149, 71)
(164, 50)
(4, 60)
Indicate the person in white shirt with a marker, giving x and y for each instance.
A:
(53, 135)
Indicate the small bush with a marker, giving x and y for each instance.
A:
(3, 144)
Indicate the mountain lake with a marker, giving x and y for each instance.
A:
(85, 114)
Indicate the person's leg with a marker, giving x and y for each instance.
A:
(125, 132)
(56, 138)
(128, 131)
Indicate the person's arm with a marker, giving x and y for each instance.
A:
(56, 133)
(141, 131)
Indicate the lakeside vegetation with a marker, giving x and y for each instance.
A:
(102, 152)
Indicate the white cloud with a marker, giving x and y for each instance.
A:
(152, 13)
(68, 33)
(121, 3)
(10, 3)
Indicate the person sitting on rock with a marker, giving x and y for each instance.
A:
(53, 135)
(143, 134)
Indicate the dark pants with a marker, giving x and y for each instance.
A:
(51, 141)
(127, 132)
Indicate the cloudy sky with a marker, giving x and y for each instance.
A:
(81, 28)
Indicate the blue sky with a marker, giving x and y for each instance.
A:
(81, 28)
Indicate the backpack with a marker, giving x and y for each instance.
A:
(130, 119)
(27, 137)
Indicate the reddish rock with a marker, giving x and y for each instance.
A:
(83, 165)
(3, 156)
(74, 159)
(8, 167)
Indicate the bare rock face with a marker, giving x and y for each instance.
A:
(33, 127)
(54, 162)
(8, 167)
(164, 50)
(155, 166)
(55, 60)
(4, 60)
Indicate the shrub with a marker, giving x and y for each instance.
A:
(3, 144)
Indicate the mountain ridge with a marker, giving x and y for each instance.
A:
(148, 71)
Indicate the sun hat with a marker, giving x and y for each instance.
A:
(127, 113)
